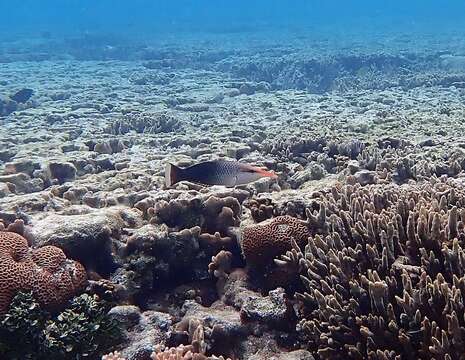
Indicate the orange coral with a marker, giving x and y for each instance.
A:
(46, 271)
(262, 242)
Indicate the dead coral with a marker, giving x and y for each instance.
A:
(290, 148)
(386, 278)
(220, 268)
(114, 355)
(213, 214)
(144, 123)
(195, 351)
(52, 278)
(260, 208)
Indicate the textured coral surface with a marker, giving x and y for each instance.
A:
(52, 278)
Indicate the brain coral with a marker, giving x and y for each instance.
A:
(261, 243)
(45, 271)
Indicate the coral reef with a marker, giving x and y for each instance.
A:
(355, 252)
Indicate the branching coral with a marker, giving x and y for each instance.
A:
(385, 279)
(52, 278)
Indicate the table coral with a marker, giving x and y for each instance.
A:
(52, 278)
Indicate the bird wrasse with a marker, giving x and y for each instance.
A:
(219, 172)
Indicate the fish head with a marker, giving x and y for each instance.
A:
(248, 173)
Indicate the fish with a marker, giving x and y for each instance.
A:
(217, 172)
(22, 95)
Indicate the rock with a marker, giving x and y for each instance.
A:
(86, 237)
(126, 315)
(217, 99)
(24, 165)
(153, 328)
(238, 152)
(22, 183)
(266, 347)
(273, 310)
(223, 319)
(7, 154)
(263, 86)
(313, 171)
(365, 177)
(292, 355)
(103, 148)
(353, 166)
(4, 190)
(247, 89)
(7, 106)
(192, 107)
(427, 143)
(62, 171)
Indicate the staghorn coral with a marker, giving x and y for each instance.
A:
(52, 278)
(385, 279)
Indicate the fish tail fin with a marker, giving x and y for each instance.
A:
(172, 174)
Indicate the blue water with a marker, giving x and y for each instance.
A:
(144, 18)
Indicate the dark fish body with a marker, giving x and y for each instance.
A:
(22, 95)
(219, 172)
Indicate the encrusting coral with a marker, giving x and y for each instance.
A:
(52, 278)
(385, 279)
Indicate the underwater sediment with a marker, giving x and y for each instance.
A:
(356, 251)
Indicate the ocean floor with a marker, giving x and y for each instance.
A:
(356, 251)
